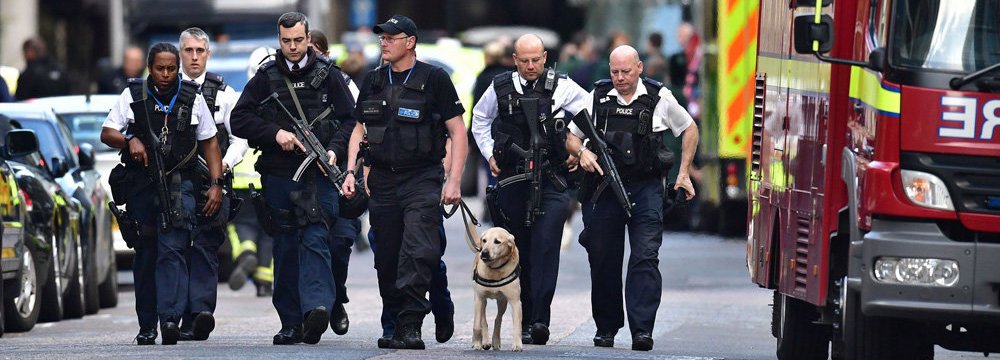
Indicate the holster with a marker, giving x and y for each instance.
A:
(128, 226)
(269, 217)
(180, 217)
(307, 208)
(493, 206)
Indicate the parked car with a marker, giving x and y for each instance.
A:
(84, 116)
(19, 300)
(72, 166)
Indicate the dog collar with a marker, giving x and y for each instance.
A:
(496, 283)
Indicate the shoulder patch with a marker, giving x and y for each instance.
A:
(214, 77)
(265, 66)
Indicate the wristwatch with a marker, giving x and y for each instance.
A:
(218, 181)
(580, 153)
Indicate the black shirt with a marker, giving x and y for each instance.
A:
(442, 98)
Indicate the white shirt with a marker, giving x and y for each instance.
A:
(568, 97)
(668, 114)
(121, 116)
(226, 101)
(302, 62)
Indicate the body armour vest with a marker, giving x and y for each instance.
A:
(210, 90)
(311, 91)
(511, 127)
(402, 132)
(628, 130)
(177, 136)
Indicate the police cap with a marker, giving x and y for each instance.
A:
(397, 24)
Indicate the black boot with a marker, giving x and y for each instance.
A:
(444, 327)
(315, 325)
(288, 335)
(407, 336)
(338, 320)
(264, 288)
(539, 334)
(146, 336)
(245, 265)
(605, 338)
(171, 333)
(642, 341)
(204, 323)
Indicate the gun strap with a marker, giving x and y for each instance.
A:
(295, 98)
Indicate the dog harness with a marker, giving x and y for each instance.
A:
(497, 283)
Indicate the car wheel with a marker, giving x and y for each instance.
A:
(108, 289)
(73, 301)
(52, 301)
(21, 308)
(90, 284)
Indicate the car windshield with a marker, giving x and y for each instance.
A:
(50, 143)
(86, 128)
(953, 36)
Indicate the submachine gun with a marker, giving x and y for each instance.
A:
(314, 150)
(157, 172)
(611, 176)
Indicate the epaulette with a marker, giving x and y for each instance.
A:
(602, 82)
(652, 82)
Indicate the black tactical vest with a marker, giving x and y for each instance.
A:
(510, 126)
(210, 90)
(180, 142)
(628, 130)
(311, 89)
(402, 132)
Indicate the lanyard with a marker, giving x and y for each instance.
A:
(172, 101)
(407, 74)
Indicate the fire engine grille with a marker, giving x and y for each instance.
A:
(972, 181)
(801, 252)
(760, 86)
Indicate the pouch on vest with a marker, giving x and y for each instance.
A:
(371, 111)
(412, 136)
(618, 141)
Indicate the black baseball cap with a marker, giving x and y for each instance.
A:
(397, 24)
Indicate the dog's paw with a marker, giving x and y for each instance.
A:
(487, 346)
(516, 348)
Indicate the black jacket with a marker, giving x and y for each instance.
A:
(247, 123)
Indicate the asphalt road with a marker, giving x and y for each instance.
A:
(709, 310)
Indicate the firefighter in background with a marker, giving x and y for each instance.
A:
(250, 247)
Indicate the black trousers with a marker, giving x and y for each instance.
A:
(405, 215)
(537, 245)
(604, 238)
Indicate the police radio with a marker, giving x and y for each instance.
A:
(550, 77)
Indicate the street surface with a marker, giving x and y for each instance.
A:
(709, 310)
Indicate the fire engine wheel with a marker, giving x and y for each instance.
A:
(871, 337)
(798, 337)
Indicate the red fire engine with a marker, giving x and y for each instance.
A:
(875, 176)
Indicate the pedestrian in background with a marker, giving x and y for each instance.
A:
(134, 124)
(42, 76)
(634, 114)
(113, 82)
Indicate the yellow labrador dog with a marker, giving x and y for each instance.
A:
(496, 272)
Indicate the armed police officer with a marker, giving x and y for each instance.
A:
(203, 259)
(160, 123)
(291, 110)
(632, 114)
(405, 110)
(519, 125)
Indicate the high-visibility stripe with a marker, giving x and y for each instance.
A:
(867, 87)
(737, 29)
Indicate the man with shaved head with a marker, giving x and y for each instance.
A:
(634, 113)
(500, 126)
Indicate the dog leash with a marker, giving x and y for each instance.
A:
(470, 222)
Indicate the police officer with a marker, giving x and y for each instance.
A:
(499, 123)
(634, 113)
(203, 259)
(405, 109)
(302, 212)
(167, 110)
